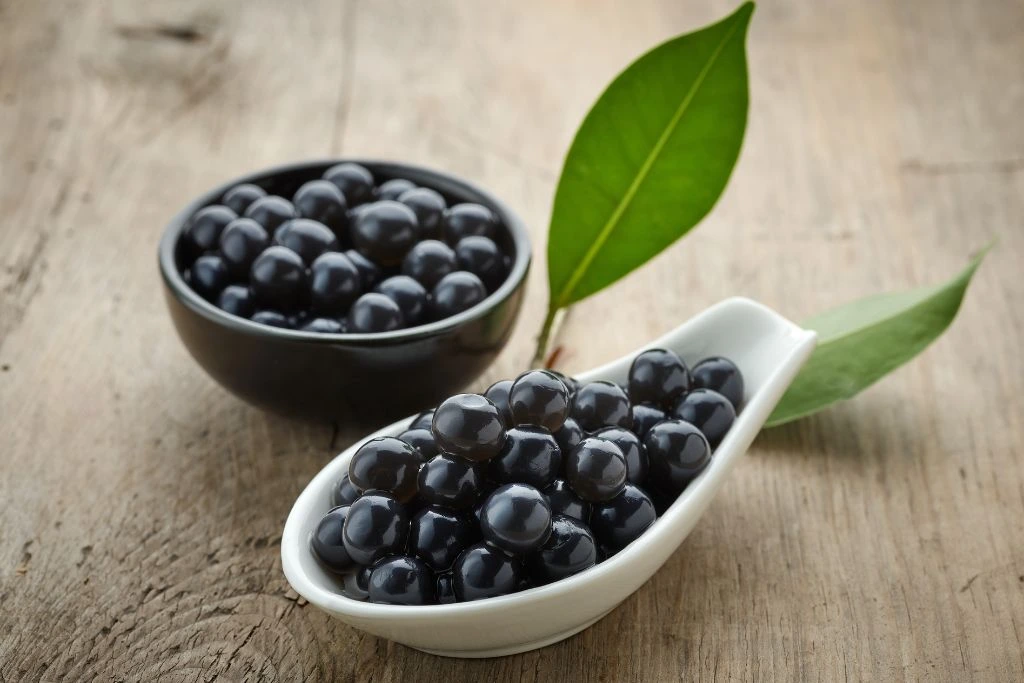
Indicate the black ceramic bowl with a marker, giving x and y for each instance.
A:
(350, 378)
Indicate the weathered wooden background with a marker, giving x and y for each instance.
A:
(142, 506)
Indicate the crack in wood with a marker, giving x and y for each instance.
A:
(998, 166)
(182, 33)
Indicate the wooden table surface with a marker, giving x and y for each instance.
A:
(143, 505)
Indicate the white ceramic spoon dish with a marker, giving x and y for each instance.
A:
(769, 351)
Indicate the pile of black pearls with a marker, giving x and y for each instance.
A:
(535, 480)
(343, 255)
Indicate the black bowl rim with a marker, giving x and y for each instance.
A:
(442, 181)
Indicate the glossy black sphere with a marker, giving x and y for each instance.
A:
(662, 498)
(385, 231)
(646, 416)
(377, 525)
(632, 448)
(306, 237)
(539, 398)
(530, 455)
(709, 411)
(354, 181)
(620, 521)
(208, 276)
(481, 256)
(658, 376)
(323, 326)
(456, 292)
(395, 188)
(429, 261)
(278, 279)
(241, 242)
(410, 296)
(596, 469)
(386, 464)
(422, 440)
(439, 535)
(327, 542)
(478, 510)
(272, 319)
(564, 501)
(498, 394)
(374, 312)
(239, 197)
(429, 208)
(204, 228)
(334, 284)
(469, 425)
(271, 212)
(401, 580)
(516, 518)
(568, 435)
(721, 375)
(344, 492)
(445, 588)
(601, 404)
(356, 584)
(569, 550)
(369, 272)
(450, 481)
(571, 383)
(463, 220)
(322, 201)
(236, 300)
(678, 452)
(423, 420)
(485, 572)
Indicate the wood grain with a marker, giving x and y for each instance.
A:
(142, 505)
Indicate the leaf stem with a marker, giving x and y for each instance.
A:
(547, 331)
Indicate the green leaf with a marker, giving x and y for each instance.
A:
(861, 342)
(650, 159)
